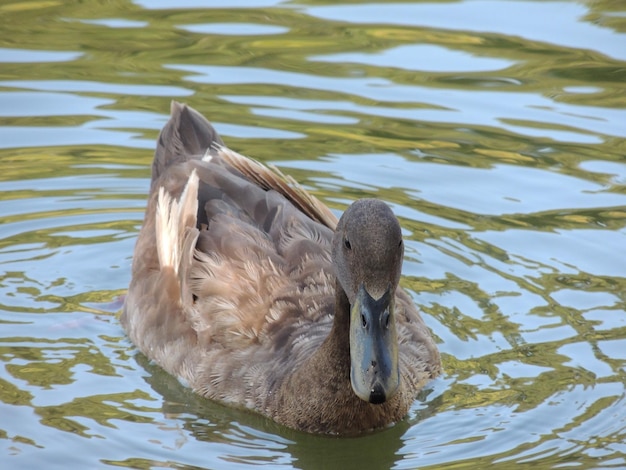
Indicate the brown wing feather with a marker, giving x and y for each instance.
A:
(271, 178)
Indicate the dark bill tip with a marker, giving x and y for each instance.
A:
(377, 395)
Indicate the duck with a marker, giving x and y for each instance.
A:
(254, 294)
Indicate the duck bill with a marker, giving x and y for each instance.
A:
(373, 347)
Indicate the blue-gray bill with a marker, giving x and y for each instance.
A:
(373, 347)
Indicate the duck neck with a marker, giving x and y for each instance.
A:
(333, 356)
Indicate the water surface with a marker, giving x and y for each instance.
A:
(495, 130)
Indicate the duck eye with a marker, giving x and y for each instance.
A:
(347, 244)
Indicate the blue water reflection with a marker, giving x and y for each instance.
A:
(558, 23)
(422, 57)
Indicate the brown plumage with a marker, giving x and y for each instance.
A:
(248, 289)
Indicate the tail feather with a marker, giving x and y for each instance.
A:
(187, 135)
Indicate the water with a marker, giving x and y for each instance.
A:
(496, 131)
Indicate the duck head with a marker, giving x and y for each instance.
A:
(367, 253)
